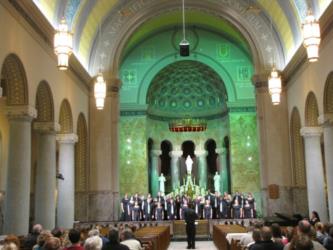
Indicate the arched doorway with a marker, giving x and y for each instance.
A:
(165, 158)
(188, 148)
(211, 159)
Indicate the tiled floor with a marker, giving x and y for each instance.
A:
(204, 245)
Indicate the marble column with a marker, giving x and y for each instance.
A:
(17, 199)
(223, 171)
(175, 154)
(155, 157)
(315, 171)
(326, 122)
(202, 154)
(115, 85)
(45, 199)
(66, 189)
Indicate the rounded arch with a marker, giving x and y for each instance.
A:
(328, 94)
(297, 145)
(14, 81)
(65, 118)
(188, 148)
(81, 155)
(311, 111)
(44, 103)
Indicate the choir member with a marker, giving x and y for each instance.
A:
(236, 208)
(252, 203)
(136, 210)
(171, 209)
(159, 212)
(197, 206)
(207, 211)
(125, 208)
(147, 208)
(215, 205)
(247, 210)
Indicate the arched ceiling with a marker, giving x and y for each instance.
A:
(119, 20)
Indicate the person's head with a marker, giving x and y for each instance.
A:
(319, 227)
(290, 231)
(266, 234)
(37, 229)
(74, 236)
(256, 235)
(52, 243)
(315, 215)
(11, 238)
(43, 236)
(276, 231)
(93, 243)
(126, 234)
(57, 232)
(113, 235)
(304, 228)
(93, 232)
(10, 246)
(303, 243)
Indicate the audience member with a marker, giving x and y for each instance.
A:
(302, 243)
(43, 236)
(128, 239)
(96, 232)
(93, 243)
(314, 218)
(289, 233)
(247, 239)
(10, 246)
(267, 243)
(74, 237)
(113, 243)
(11, 238)
(256, 236)
(320, 232)
(31, 239)
(52, 243)
(276, 233)
(328, 241)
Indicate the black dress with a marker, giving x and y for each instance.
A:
(236, 209)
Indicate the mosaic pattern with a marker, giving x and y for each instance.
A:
(186, 88)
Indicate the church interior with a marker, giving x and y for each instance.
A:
(118, 104)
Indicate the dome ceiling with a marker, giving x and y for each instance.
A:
(119, 19)
(186, 88)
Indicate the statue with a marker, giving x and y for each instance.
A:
(189, 164)
(162, 180)
(217, 179)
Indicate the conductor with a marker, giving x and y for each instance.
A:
(190, 217)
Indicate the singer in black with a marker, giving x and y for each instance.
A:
(190, 217)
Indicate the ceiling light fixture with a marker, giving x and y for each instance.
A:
(184, 45)
(311, 36)
(63, 44)
(100, 85)
(274, 80)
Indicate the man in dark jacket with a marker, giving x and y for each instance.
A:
(267, 243)
(190, 217)
(113, 243)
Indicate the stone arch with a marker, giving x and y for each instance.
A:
(297, 147)
(65, 118)
(14, 81)
(44, 103)
(311, 111)
(328, 94)
(81, 152)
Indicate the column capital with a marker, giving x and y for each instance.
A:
(222, 150)
(200, 153)
(326, 120)
(115, 85)
(156, 152)
(25, 112)
(311, 131)
(46, 127)
(176, 153)
(67, 138)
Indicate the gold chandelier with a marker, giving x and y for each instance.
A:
(275, 86)
(311, 36)
(100, 91)
(63, 44)
(188, 125)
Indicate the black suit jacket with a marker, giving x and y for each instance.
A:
(190, 216)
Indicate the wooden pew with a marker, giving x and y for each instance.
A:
(219, 236)
(159, 236)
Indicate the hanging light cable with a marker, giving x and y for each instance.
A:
(311, 36)
(184, 45)
(274, 80)
(63, 44)
(100, 85)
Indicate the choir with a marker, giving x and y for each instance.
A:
(210, 206)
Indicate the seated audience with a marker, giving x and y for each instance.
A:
(93, 243)
(276, 233)
(74, 237)
(52, 243)
(320, 232)
(113, 243)
(11, 238)
(246, 239)
(96, 232)
(267, 243)
(10, 246)
(127, 239)
(289, 233)
(301, 243)
(256, 239)
(31, 239)
(43, 236)
(328, 241)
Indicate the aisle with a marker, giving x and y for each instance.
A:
(204, 245)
